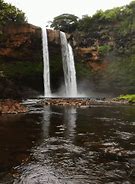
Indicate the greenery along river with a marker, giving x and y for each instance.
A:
(68, 145)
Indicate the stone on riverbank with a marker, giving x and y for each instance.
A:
(11, 106)
(80, 102)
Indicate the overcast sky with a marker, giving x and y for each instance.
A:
(39, 12)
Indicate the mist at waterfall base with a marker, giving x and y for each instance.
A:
(86, 89)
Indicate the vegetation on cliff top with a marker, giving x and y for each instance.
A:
(122, 17)
(114, 28)
(115, 15)
(65, 22)
(9, 14)
(110, 30)
(112, 34)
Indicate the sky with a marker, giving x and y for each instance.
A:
(39, 12)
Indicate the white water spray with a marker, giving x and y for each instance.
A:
(68, 67)
(46, 72)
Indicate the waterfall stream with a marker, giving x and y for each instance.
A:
(46, 72)
(68, 67)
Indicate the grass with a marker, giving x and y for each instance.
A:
(129, 98)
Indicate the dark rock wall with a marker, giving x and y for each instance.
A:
(21, 61)
(21, 42)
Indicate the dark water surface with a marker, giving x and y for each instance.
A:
(65, 145)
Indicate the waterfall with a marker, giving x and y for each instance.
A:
(68, 67)
(46, 71)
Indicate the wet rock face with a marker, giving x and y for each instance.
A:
(86, 50)
(53, 36)
(20, 42)
(88, 54)
(24, 42)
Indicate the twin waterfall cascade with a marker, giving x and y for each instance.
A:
(46, 72)
(68, 66)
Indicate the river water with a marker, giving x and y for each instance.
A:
(68, 145)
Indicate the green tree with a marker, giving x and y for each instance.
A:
(9, 13)
(132, 4)
(84, 23)
(65, 22)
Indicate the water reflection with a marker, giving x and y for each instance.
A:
(69, 145)
(70, 116)
(18, 134)
(64, 127)
(46, 121)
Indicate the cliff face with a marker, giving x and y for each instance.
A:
(24, 42)
(104, 58)
(21, 62)
(108, 51)
(20, 42)
(112, 35)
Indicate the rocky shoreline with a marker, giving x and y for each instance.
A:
(9, 106)
(81, 102)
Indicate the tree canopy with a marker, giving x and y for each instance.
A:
(9, 13)
(65, 22)
(119, 14)
(70, 23)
